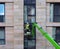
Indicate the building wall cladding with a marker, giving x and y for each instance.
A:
(50, 25)
(41, 20)
(14, 26)
(18, 25)
(9, 25)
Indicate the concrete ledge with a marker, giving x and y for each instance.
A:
(52, 1)
(9, 1)
(4, 24)
(52, 24)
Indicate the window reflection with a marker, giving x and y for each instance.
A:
(31, 10)
(1, 9)
(31, 19)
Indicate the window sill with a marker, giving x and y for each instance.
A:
(53, 24)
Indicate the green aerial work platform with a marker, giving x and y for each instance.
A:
(45, 34)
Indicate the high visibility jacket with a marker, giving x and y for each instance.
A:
(27, 26)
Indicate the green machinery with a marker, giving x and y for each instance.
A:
(45, 34)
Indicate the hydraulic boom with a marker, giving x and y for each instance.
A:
(45, 34)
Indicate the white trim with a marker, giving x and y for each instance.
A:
(51, 12)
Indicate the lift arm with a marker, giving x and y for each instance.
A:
(45, 34)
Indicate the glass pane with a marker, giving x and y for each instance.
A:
(1, 9)
(25, 14)
(56, 9)
(31, 19)
(2, 18)
(33, 1)
(57, 35)
(56, 18)
(31, 10)
(2, 41)
(31, 44)
(25, 45)
(29, 1)
(2, 33)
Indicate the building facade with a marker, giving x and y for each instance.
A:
(13, 15)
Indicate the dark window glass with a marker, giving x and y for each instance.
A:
(57, 35)
(2, 35)
(56, 17)
(1, 12)
(56, 9)
(29, 1)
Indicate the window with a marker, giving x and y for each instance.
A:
(56, 34)
(2, 12)
(2, 35)
(29, 16)
(55, 12)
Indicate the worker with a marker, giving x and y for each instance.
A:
(27, 28)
